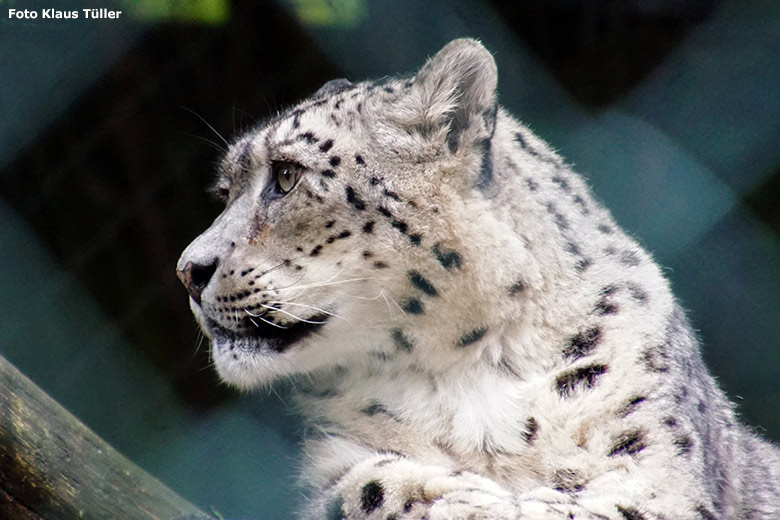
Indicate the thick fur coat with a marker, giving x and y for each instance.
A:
(471, 334)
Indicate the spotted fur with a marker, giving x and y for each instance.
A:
(475, 336)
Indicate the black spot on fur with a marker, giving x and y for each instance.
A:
(531, 430)
(657, 359)
(327, 145)
(604, 308)
(393, 195)
(335, 160)
(316, 250)
(522, 142)
(532, 185)
(630, 513)
(486, 168)
(607, 230)
(359, 160)
(353, 199)
(447, 258)
(373, 181)
(582, 264)
(628, 443)
(380, 265)
(328, 173)
(632, 405)
(400, 225)
(582, 377)
(571, 247)
(562, 183)
(297, 113)
(560, 220)
(372, 497)
(374, 408)
(415, 239)
(308, 137)
(422, 283)
(412, 306)
(704, 513)
(516, 288)
(581, 203)
(384, 211)
(401, 341)
(368, 227)
(637, 293)
(329, 224)
(671, 422)
(583, 343)
(344, 234)
(472, 337)
(683, 444)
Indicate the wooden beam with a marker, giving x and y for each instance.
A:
(53, 467)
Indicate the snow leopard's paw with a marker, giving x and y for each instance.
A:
(395, 488)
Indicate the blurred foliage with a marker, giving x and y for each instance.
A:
(203, 11)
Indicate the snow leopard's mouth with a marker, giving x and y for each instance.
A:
(262, 334)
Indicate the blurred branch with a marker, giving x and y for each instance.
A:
(53, 467)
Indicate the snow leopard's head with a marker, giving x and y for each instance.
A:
(353, 224)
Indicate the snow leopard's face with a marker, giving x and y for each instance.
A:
(344, 229)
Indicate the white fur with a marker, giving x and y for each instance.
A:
(446, 382)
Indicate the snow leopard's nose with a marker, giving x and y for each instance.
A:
(195, 277)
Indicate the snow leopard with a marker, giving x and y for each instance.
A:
(469, 333)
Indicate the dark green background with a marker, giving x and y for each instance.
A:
(670, 108)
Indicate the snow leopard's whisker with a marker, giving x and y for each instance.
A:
(206, 140)
(380, 294)
(292, 315)
(386, 296)
(274, 268)
(208, 125)
(291, 286)
(323, 311)
(259, 316)
(296, 286)
(327, 284)
(201, 339)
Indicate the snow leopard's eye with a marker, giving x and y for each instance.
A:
(285, 175)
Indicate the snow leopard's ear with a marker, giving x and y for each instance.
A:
(455, 93)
